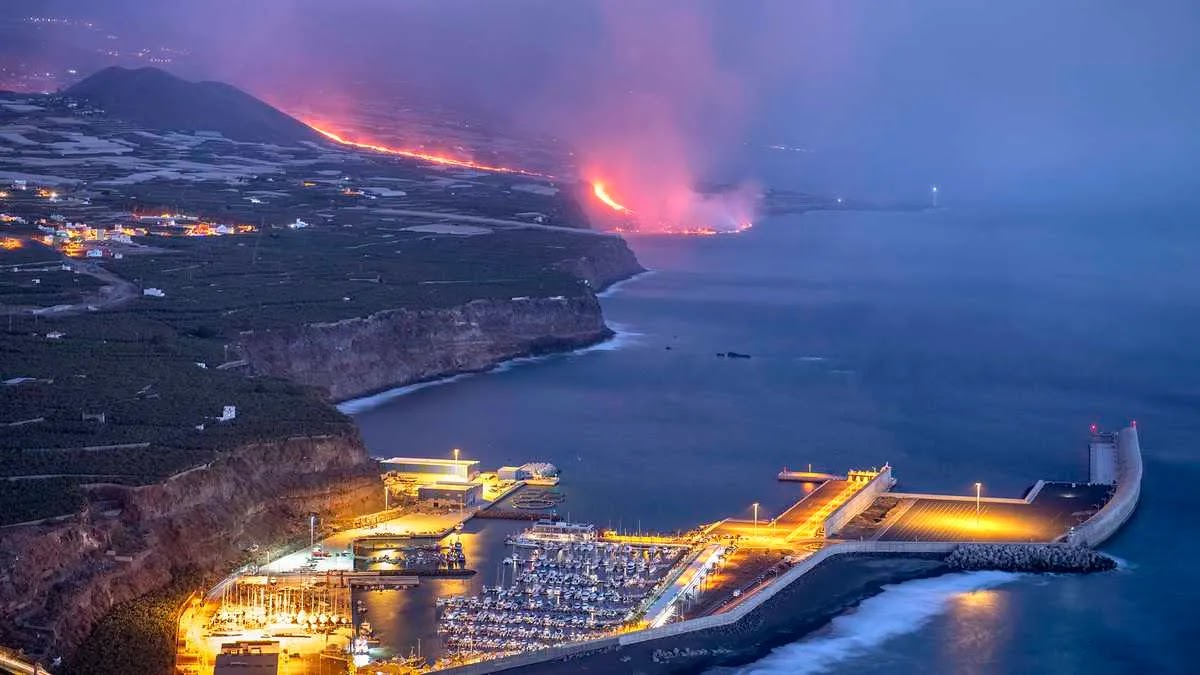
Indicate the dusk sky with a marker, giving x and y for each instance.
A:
(1016, 101)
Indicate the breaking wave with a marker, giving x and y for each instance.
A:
(357, 405)
(612, 290)
(899, 609)
(622, 338)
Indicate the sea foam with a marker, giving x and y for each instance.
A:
(614, 288)
(622, 338)
(899, 609)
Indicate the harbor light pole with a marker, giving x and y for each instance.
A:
(456, 451)
(755, 517)
(978, 487)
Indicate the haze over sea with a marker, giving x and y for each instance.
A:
(959, 345)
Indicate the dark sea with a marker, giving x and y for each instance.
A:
(958, 345)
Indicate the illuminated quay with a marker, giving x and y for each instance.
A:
(568, 591)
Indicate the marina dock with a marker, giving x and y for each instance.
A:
(568, 587)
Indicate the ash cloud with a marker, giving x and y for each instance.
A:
(1015, 101)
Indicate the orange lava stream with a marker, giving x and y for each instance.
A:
(601, 193)
(598, 188)
(424, 156)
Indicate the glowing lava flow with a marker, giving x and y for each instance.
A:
(601, 193)
(424, 156)
(631, 226)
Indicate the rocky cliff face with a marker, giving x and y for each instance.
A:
(393, 348)
(57, 581)
(608, 261)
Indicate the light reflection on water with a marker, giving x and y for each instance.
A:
(402, 617)
(926, 340)
(976, 635)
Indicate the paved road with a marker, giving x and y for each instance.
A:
(491, 221)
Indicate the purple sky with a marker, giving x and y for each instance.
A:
(1003, 101)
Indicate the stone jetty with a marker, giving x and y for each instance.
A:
(1028, 558)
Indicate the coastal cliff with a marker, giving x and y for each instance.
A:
(396, 347)
(607, 261)
(393, 348)
(57, 581)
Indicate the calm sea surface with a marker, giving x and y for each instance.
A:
(958, 346)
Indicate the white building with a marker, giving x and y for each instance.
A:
(1102, 457)
(228, 413)
(154, 293)
(451, 493)
(426, 470)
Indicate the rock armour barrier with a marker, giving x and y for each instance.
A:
(1028, 558)
(1016, 557)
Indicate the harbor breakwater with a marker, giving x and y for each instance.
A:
(828, 582)
(1120, 507)
(1052, 558)
(804, 597)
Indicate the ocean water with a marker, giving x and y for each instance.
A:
(958, 345)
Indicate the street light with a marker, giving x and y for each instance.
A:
(456, 451)
(978, 487)
(755, 517)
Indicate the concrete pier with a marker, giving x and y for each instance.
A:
(1119, 509)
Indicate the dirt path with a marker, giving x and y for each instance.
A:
(116, 291)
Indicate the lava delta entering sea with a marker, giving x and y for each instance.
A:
(660, 211)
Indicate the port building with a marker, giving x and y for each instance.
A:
(1102, 457)
(425, 470)
(445, 492)
(248, 657)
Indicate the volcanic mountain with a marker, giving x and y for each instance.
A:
(156, 99)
